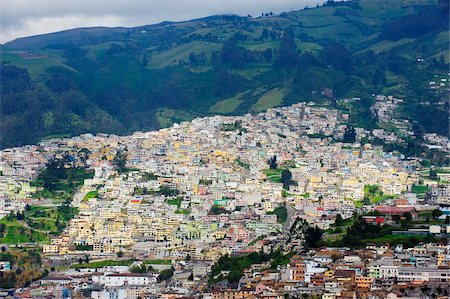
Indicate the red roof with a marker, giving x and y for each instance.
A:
(385, 210)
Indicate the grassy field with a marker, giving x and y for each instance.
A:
(260, 46)
(307, 46)
(167, 117)
(174, 202)
(393, 240)
(253, 70)
(386, 45)
(96, 51)
(419, 189)
(375, 195)
(93, 265)
(390, 127)
(273, 175)
(181, 53)
(90, 194)
(158, 262)
(36, 66)
(270, 99)
(228, 105)
(37, 225)
(15, 232)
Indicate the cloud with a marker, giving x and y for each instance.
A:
(20, 18)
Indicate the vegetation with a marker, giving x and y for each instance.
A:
(146, 176)
(232, 127)
(242, 164)
(286, 178)
(419, 189)
(175, 201)
(95, 265)
(239, 65)
(233, 266)
(281, 213)
(349, 135)
(61, 178)
(339, 221)
(215, 210)
(274, 175)
(36, 224)
(158, 262)
(436, 213)
(205, 182)
(373, 195)
(143, 268)
(13, 231)
(273, 163)
(84, 247)
(166, 274)
(360, 233)
(167, 191)
(26, 264)
(90, 194)
(312, 236)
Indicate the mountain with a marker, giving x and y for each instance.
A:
(119, 80)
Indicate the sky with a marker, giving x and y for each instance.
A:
(20, 18)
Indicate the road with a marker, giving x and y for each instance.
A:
(287, 224)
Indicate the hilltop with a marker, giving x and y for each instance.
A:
(119, 80)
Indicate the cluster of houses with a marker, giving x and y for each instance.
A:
(202, 189)
(375, 271)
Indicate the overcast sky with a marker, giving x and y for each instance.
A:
(21, 18)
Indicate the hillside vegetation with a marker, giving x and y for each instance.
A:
(119, 80)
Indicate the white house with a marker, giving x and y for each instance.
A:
(120, 279)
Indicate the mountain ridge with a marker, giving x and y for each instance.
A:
(119, 80)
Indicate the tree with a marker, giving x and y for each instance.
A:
(120, 160)
(286, 178)
(436, 213)
(433, 174)
(273, 162)
(349, 135)
(366, 201)
(339, 221)
(166, 274)
(337, 56)
(267, 54)
(144, 60)
(139, 269)
(407, 216)
(418, 132)
(313, 236)
(287, 53)
(19, 216)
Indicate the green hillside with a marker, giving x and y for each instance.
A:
(118, 80)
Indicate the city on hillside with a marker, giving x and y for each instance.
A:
(225, 149)
(289, 202)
